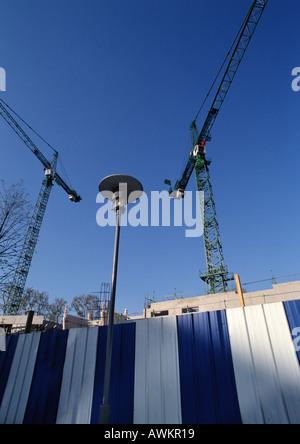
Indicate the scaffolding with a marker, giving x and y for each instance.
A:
(103, 304)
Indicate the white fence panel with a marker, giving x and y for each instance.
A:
(157, 385)
(266, 367)
(16, 394)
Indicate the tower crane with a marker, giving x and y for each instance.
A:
(16, 289)
(216, 277)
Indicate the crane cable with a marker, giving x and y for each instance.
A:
(38, 135)
(222, 66)
(35, 132)
(214, 82)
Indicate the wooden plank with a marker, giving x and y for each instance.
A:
(240, 290)
(20, 320)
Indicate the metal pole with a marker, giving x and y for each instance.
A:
(104, 412)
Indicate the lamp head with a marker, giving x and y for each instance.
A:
(120, 189)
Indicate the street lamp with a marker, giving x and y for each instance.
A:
(121, 190)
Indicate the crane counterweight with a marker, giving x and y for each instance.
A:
(74, 197)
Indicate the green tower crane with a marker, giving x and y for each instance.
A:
(16, 289)
(216, 276)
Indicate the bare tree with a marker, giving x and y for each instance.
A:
(56, 310)
(38, 301)
(35, 300)
(15, 212)
(86, 304)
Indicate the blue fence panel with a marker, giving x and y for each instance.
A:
(292, 309)
(122, 374)
(208, 390)
(77, 386)
(46, 382)
(6, 359)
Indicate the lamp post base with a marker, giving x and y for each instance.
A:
(104, 414)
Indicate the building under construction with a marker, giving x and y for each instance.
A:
(229, 357)
(176, 306)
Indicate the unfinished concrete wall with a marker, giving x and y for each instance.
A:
(279, 293)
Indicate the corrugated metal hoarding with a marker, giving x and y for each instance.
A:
(232, 366)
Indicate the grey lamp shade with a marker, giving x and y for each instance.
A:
(121, 187)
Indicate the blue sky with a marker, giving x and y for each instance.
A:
(114, 86)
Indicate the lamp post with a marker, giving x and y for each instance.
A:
(121, 190)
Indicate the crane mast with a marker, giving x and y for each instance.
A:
(216, 276)
(16, 288)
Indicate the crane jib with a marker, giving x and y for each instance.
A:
(247, 30)
(35, 150)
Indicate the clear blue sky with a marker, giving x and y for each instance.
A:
(114, 85)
